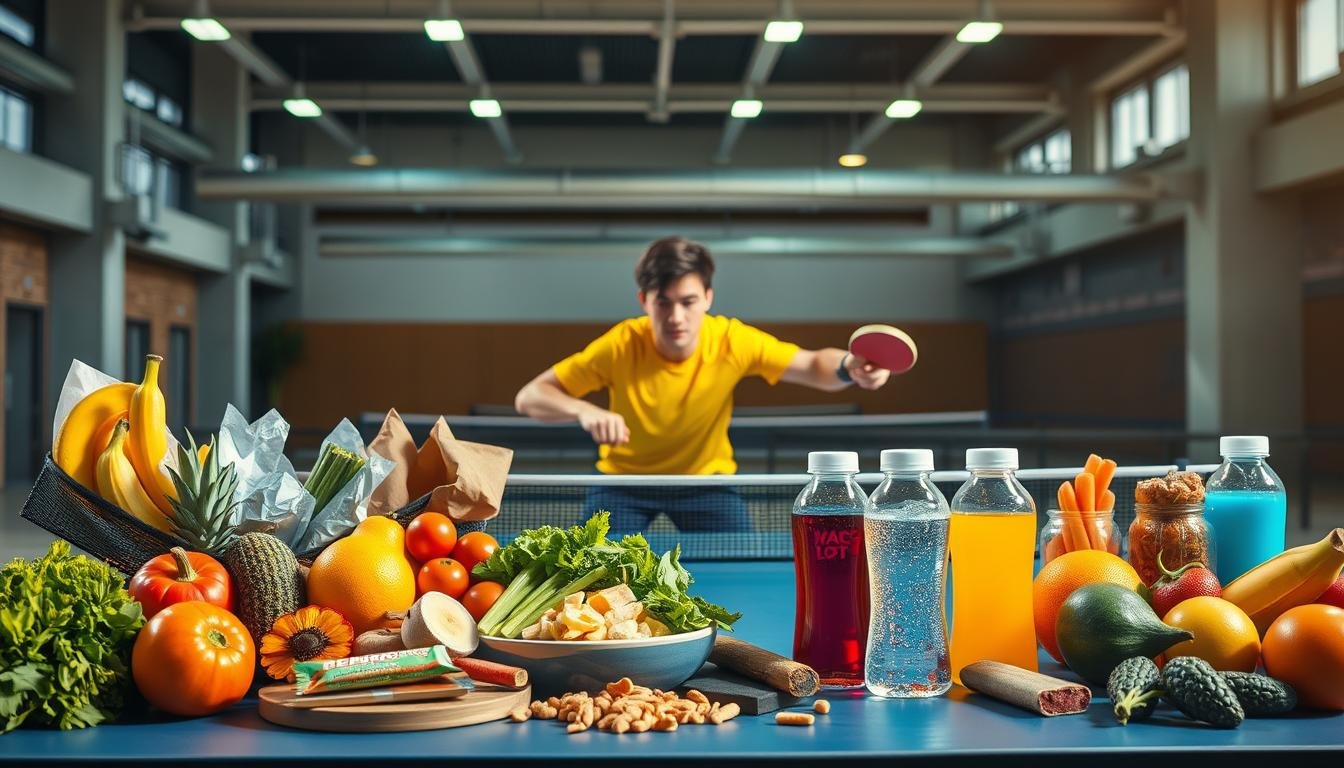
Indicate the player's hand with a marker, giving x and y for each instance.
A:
(606, 428)
(865, 374)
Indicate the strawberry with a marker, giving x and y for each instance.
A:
(1333, 594)
(1190, 580)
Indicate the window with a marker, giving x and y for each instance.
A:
(1171, 107)
(16, 121)
(137, 170)
(1319, 40)
(179, 377)
(1052, 154)
(168, 187)
(137, 346)
(137, 94)
(169, 112)
(1150, 116)
(16, 26)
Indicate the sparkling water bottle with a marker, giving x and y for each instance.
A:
(905, 531)
(830, 626)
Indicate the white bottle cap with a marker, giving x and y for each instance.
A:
(832, 461)
(991, 458)
(1243, 445)
(907, 460)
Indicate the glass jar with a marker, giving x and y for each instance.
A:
(1178, 533)
(1062, 532)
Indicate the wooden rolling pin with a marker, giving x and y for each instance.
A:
(761, 665)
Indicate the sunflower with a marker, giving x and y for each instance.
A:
(312, 633)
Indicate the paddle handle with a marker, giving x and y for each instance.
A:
(763, 666)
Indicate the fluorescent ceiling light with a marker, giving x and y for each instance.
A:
(979, 31)
(904, 108)
(302, 108)
(783, 31)
(444, 30)
(206, 30)
(853, 159)
(485, 108)
(746, 108)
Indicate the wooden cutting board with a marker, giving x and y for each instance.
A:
(480, 705)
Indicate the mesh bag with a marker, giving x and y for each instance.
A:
(63, 507)
(72, 512)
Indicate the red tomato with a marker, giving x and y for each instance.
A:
(193, 659)
(475, 547)
(1334, 594)
(430, 535)
(480, 597)
(178, 577)
(444, 575)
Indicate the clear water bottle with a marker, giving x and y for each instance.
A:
(992, 540)
(830, 629)
(1246, 506)
(906, 535)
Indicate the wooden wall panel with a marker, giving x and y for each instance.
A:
(23, 280)
(163, 296)
(447, 368)
(1130, 375)
(1323, 370)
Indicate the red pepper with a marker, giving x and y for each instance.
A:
(179, 577)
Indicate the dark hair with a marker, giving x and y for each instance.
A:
(671, 258)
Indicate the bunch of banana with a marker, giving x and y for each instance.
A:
(1287, 580)
(114, 440)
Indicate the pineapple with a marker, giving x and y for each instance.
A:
(203, 510)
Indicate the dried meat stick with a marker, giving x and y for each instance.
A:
(483, 671)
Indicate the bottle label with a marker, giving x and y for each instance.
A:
(836, 545)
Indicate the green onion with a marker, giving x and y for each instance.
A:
(335, 467)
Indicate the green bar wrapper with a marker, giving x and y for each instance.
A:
(371, 671)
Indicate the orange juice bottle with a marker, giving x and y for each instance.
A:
(992, 541)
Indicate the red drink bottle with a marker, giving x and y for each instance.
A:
(830, 631)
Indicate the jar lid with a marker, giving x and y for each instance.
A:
(832, 461)
(906, 460)
(1243, 445)
(991, 458)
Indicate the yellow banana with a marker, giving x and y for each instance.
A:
(118, 483)
(1290, 579)
(77, 447)
(148, 441)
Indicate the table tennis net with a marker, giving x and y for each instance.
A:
(744, 517)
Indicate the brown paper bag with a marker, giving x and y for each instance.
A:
(466, 480)
(393, 442)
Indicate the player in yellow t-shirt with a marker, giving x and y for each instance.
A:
(670, 375)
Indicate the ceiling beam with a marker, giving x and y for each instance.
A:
(713, 189)
(744, 246)
(930, 69)
(469, 68)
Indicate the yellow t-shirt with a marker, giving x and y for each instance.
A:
(677, 412)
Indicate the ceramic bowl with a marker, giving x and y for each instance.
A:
(557, 666)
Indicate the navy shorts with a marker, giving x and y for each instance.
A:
(633, 508)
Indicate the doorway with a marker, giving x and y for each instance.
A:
(23, 393)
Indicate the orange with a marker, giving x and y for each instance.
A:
(1224, 635)
(1061, 576)
(365, 574)
(1305, 648)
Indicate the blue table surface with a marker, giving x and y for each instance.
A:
(960, 726)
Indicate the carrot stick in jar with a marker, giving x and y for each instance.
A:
(1068, 508)
(1104, 474)
(1085, 490)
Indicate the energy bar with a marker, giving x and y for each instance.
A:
(371, 671)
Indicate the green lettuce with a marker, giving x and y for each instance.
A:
(67, 626)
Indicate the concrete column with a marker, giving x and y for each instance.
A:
(84, 130)
(1243, 276)
(220, 92)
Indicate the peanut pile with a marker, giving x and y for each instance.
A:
(625, 707)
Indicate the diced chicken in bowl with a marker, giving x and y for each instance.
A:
(608, 614)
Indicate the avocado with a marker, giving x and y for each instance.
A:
(1260, 695)
(1196, 688)
(1101, 625)
(1134, 688)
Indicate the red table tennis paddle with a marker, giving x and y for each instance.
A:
(885, 347)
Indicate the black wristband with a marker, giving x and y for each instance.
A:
(842, 373)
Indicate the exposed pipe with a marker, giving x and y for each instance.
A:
(469, 67)
(662, 82)
(930, 69)
(679, 106)
(716, 189)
